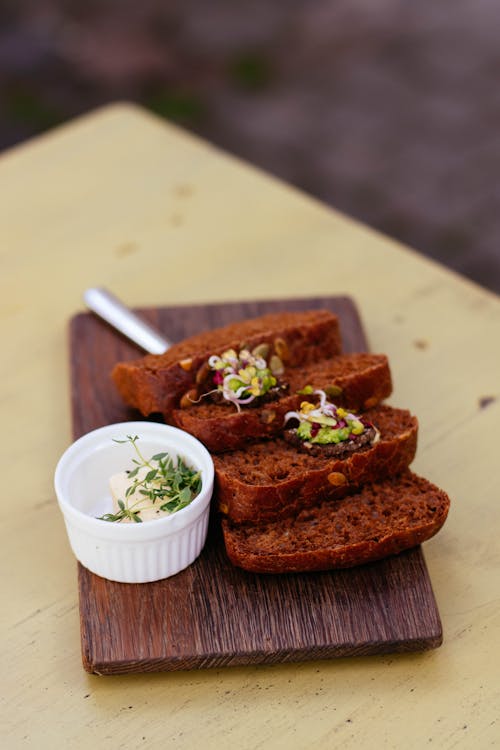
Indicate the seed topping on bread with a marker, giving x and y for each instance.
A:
(324, 427)
(241, 378)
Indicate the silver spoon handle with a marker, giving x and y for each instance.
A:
(114, 312)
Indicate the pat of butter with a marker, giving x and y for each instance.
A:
(119, 483)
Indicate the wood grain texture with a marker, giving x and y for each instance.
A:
(213, 614)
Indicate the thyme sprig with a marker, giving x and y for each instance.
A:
(172, 485)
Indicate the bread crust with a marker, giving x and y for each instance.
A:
(156, 383)
(272, 480)
(382, 519)
(364, 380)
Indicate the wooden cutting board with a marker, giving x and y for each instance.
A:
(212, 614)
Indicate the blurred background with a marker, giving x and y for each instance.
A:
(387, 110)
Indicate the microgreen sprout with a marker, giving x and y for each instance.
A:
(243, 376)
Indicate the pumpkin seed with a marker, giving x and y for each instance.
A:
(188, 399)
(202, 373)
(276, 365)
(261, 350)
(186, 364)
(281, 348)
(336, 478)
(333, 390)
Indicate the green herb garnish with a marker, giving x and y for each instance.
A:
(168, 485)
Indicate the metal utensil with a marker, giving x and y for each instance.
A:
(109, 308)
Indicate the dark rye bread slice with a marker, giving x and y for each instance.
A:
(272, 479)
(362, 380)
(157, 382)
(382, 519)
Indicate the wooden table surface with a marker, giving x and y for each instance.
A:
(122, 200)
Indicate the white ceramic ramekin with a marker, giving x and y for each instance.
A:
(130, 552)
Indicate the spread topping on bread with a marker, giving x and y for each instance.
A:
(242, 377)
(324, 425)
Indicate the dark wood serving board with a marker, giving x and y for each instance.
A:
(212, 614)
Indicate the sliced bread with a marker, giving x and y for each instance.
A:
(358, 381)
(271, 479)
(381, 519)
(156, 383)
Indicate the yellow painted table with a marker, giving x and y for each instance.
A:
(120, 199)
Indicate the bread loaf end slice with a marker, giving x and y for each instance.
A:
(157, 382)
(382, 519)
